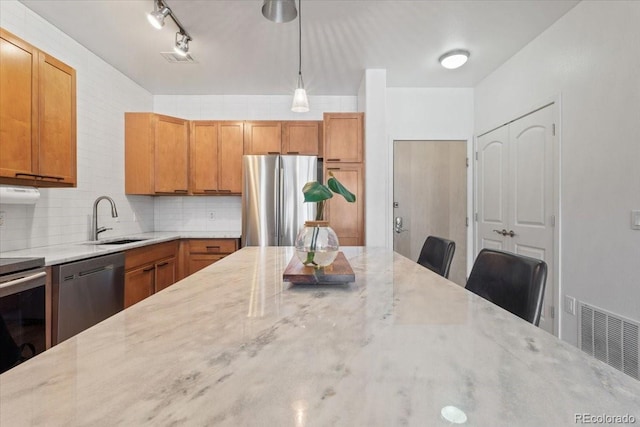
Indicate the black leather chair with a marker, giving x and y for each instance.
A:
(513, 282)
(436, 255)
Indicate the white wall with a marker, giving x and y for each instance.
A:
(590, 59)
(103, 95)
(430, 114)
(193, 213)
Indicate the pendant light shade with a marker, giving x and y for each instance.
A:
(279, 10)
(300, 101)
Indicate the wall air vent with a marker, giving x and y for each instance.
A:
(610, 338)
(174, 58)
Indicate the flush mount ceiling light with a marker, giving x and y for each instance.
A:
(182, 44)
(454, 58)
(300, 101)
(279, 10)
(156, 18)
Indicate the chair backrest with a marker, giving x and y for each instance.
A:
(513, 282)
(436, 255)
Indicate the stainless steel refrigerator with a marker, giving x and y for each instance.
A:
(273, 208)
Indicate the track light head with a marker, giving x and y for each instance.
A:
(156, 18)
(182, 44)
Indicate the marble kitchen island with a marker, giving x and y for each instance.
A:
(235, 345)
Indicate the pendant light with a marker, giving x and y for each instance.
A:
(300, 101)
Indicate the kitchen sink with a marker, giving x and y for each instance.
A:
(121, 241)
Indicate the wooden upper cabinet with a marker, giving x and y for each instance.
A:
(216, 157)
(301, 137)
(230, 150)
(262, 137)
(203, 150)
(156, 154)
(37, 116)
(344, 137)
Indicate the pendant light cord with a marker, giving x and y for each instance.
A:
(300, 38)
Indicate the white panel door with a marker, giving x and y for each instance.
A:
(492, 179)
(515, 194)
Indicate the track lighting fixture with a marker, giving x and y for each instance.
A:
(156, 18)
(182, 44)
(300, 100)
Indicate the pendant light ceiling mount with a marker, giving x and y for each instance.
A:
(156, 18)
(279, 10)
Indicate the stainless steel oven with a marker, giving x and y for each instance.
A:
(22, 310)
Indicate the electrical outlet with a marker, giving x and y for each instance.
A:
(570, 305)
(1, 218)
(211, 215)
(635, 220)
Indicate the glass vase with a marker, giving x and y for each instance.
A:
(317, 244)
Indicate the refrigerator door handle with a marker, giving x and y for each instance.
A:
(276, 202)
(280, 204)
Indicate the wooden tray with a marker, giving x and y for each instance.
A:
(337, 273)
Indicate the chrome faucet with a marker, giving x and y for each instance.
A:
(94, 227)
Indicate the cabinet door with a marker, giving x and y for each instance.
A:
(262, 137)
(347, 219)
(203, 152)
(57, 121)
(343, 137)
(138, 284)
(171, 156)
(18, 106)
(230, 150)
(165, 273)
(300, 138)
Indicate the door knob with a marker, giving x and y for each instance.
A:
(502, 232)
(511, 233)
(398, 225)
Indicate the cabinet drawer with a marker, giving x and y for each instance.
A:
(149, 254)
(212, 246)
(198, 262)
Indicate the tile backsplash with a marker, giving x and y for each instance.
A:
(206, 213)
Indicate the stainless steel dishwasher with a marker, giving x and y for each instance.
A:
(86, 292)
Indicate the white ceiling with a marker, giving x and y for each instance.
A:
(239, 52)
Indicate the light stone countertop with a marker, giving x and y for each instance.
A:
(59, 254)
(234, 345)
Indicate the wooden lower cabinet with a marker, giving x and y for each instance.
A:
(204, 252)
(347, 219)
(149, 269)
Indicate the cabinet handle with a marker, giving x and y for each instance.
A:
(273, 152)
(225, 191)
(333, 160)
(36, 176)
(213, 247)
(163, 264)
(293, 152)
(146, 270)
(180, 191)
(333, 169)
(210, 191)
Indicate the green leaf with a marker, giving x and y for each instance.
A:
(338, 188)
(315, 192)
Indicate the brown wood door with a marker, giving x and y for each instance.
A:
(203, 152)
(262, 137)
(138, 284)
(18, 106)
(301, 137)
(347, 219)
(165, 273)
(171, 160)
(230, 150)
(57, 121)
(343, 137)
